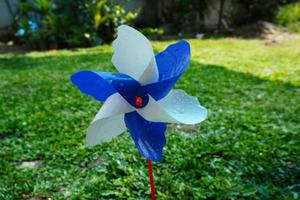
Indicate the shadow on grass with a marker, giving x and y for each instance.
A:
(15, 61)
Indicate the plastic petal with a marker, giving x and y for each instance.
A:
(103, 130)
(155, 113)
(148, 136)
(160, 89)
(133, 54)
(176, 107)
(129, 88)
(109, 121)
(171, 63)
(150, 75)
(114, 105)
(174, 60)
(96, 84)
(101, 85)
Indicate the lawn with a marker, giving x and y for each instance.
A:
(249, 147)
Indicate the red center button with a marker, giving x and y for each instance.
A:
(138, 101)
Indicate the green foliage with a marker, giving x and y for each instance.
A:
(188, 16)
(190, 13)
(185, 16)
(106, 19)
(249, 11)
(39, 6)
(72, 23)
(248, 148)
(152, 31)
(289, 16)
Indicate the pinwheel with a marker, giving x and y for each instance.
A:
(140, 97)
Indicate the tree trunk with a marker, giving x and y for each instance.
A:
(221, 10)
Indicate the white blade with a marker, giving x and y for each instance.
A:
(103, 130)
(176, 107)
(114, 105)
(151, 74)
(109, 121)
(133, 55)
(155, 113)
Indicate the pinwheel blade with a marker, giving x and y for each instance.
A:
(171, 63)
(133, 55)
(148, 136)
(176, 107)
(103, 130)
(96, 84)
(114, 105)
(109, 121)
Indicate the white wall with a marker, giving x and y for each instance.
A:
(211, 16)
(6, 18)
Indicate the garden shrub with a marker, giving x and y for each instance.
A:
(250, 11)
(289, 16)
(188, 16)
(70, 23)
(185, 16)
(152, 32)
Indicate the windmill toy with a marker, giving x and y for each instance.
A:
(140, 97)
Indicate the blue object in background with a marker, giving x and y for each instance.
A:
(21, 32)
(33, 25)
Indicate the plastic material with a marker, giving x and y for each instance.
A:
(176, 107)
(171, 63)
(151, 179)
(140, 97)
(148, 136)
(133, 54)
(114, 105)
(103, 130)
(95, 84)
(101, 85)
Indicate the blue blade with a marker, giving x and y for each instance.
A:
(149, 137)
(94, 84)
(171, 63)
(160, 89)
(174, 60)
(101, 85)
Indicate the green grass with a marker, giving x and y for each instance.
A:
(248, 148)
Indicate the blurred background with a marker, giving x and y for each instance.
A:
(245, 69)
(53, 24)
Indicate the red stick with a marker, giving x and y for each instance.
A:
(151, 179)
